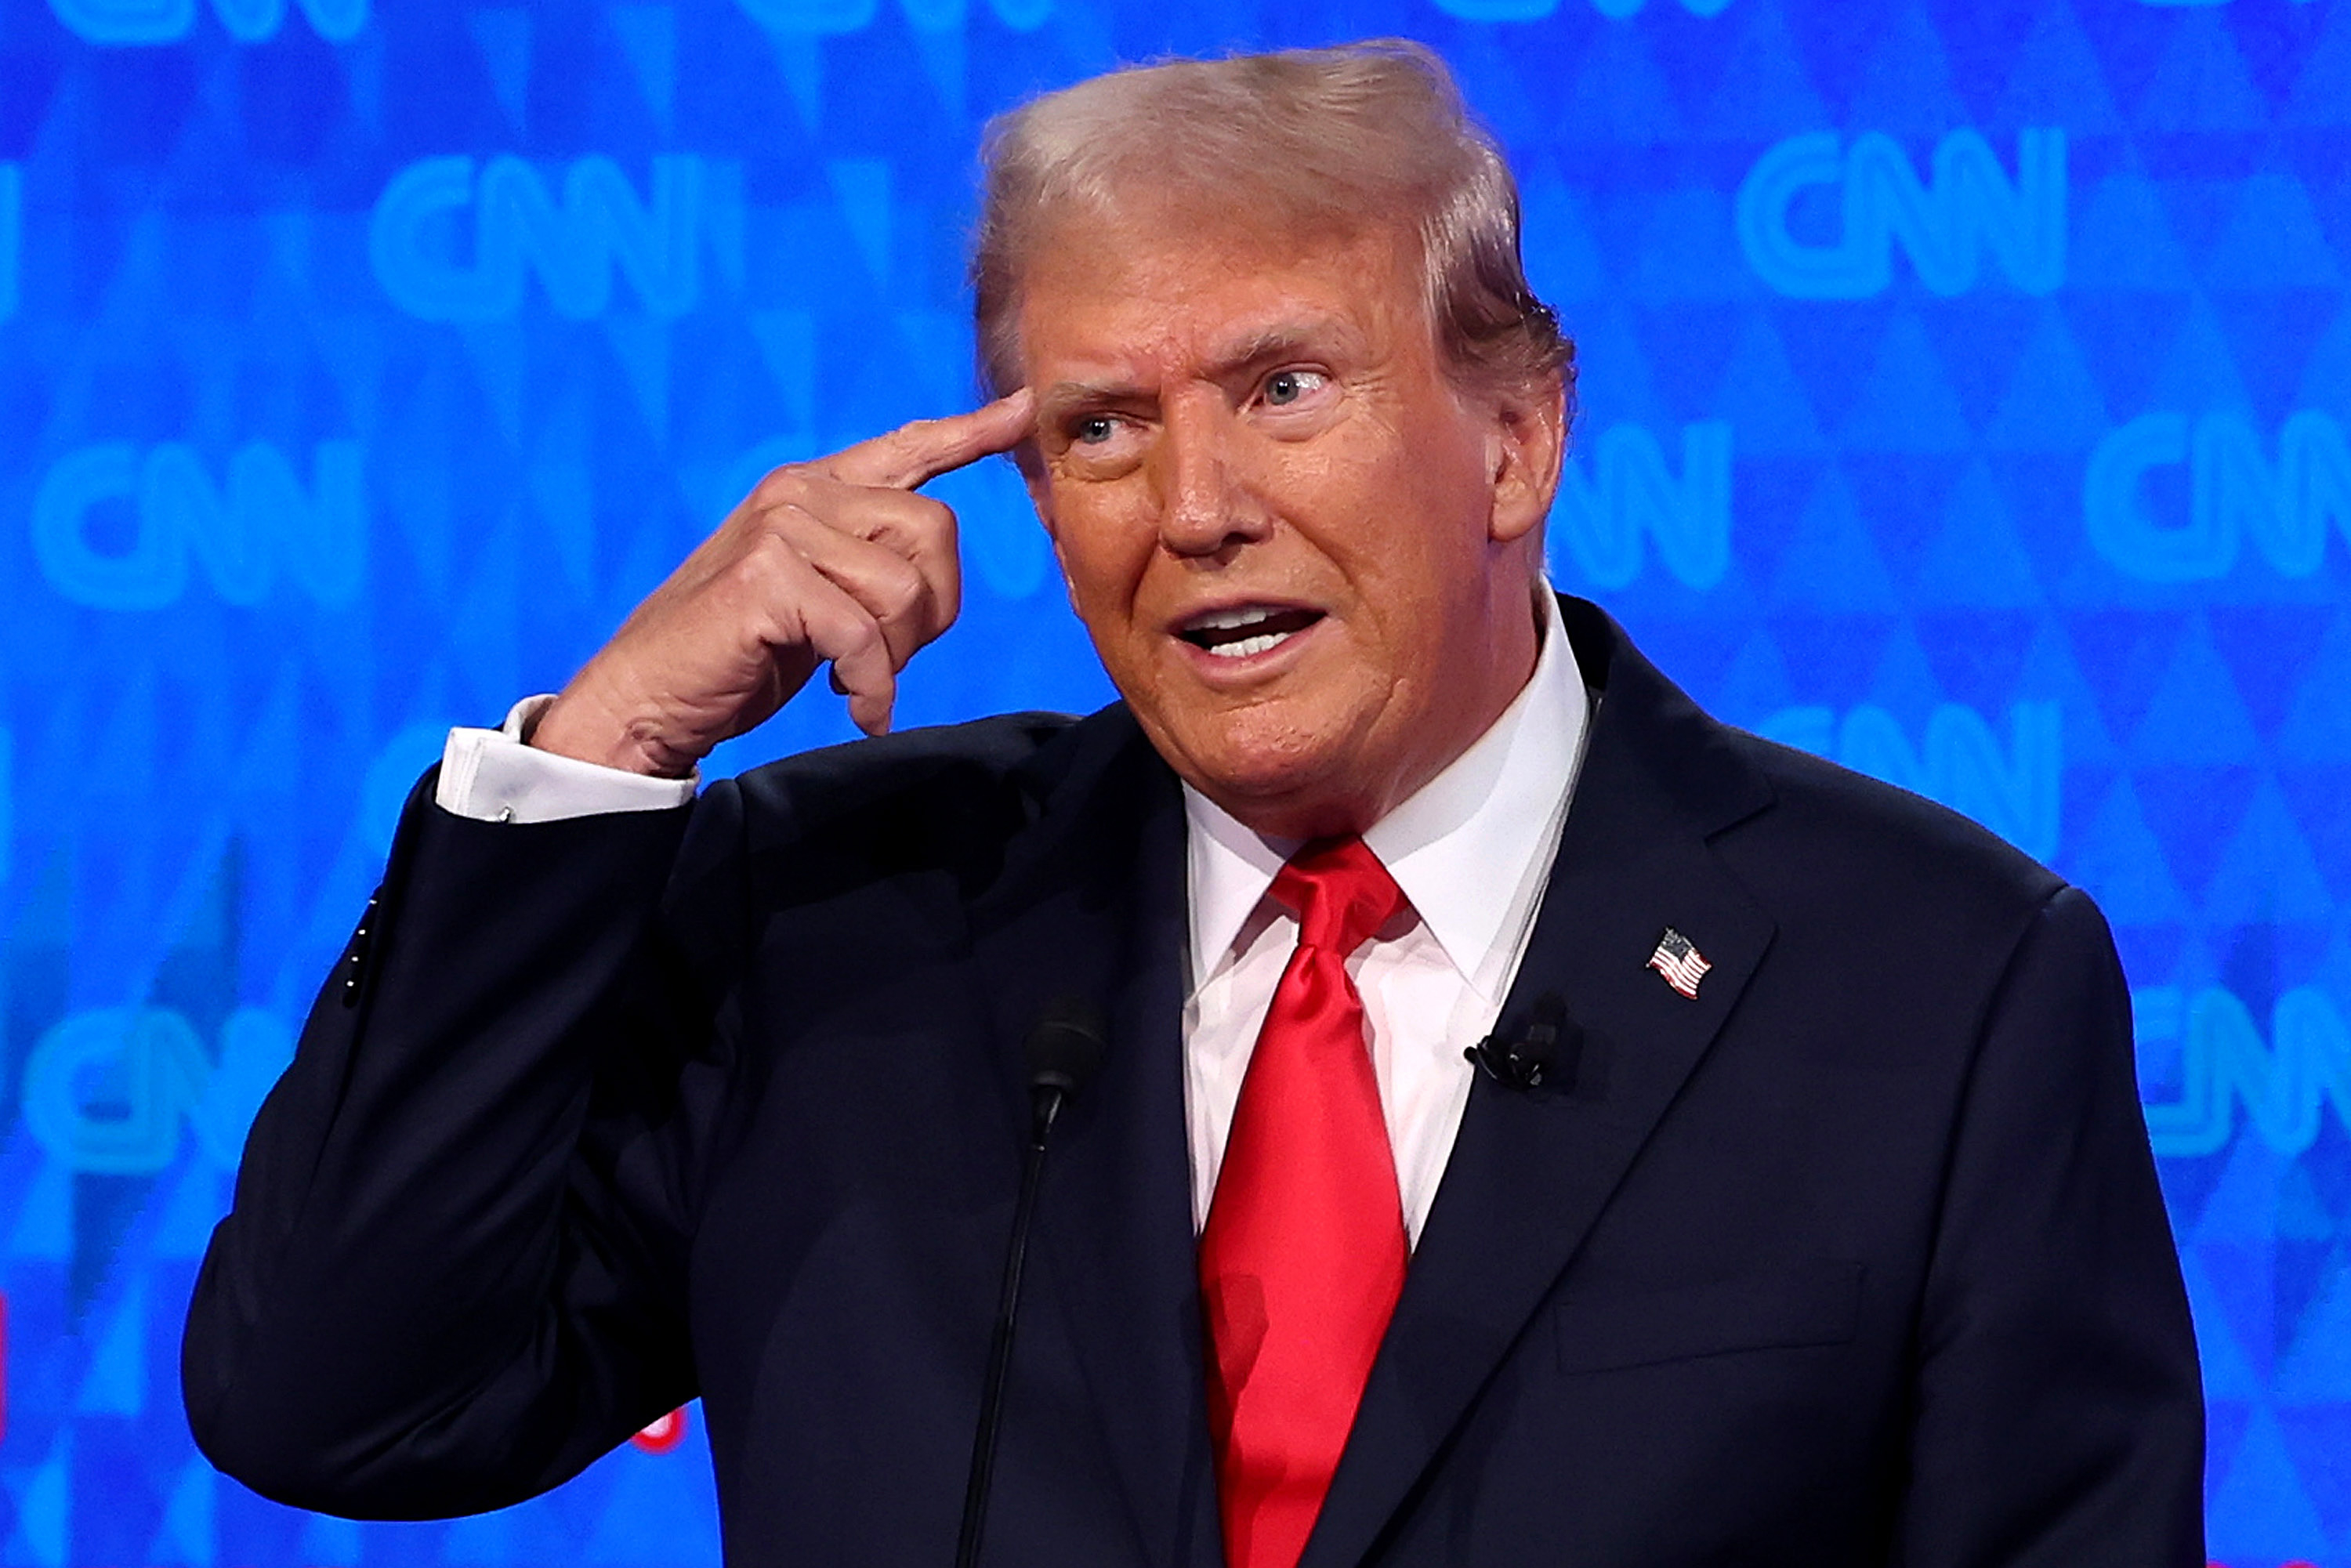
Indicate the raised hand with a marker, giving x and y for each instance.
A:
(836, 560)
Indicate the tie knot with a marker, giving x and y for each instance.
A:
(1342, 892)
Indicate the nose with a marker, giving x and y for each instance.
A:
(1206, 506)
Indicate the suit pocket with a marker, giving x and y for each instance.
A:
(1810, 1303)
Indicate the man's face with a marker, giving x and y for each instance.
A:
(1305, 557)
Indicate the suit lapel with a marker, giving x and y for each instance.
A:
(1094, 903)
(1530, 1172)
(1096, 906)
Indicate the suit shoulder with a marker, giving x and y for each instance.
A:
(948, 800)
(1859, 835)
(990, 748)
(937, 775)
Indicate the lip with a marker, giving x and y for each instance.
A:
(1231, 602)
(1225, 670)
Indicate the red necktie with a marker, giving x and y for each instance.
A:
(1303, 1254)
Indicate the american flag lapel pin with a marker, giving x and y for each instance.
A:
(1681, 964)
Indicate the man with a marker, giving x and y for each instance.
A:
(1803, 1212)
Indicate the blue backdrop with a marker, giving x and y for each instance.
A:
(1968, 398)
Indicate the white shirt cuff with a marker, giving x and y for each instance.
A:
(492, 776)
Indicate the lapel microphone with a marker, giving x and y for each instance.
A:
(1062, 1051)
(1532, 1056)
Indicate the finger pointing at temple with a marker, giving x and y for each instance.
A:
(915, 454)
(834, 560)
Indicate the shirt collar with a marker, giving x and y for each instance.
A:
(1494, 806)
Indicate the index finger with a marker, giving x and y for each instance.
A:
(915, 454)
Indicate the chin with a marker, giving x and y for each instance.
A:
(1284, 785)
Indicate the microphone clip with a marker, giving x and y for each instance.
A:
(1528, 1058)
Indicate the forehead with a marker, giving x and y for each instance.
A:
(1179, 289)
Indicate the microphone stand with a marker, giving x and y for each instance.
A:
(1062, 1051)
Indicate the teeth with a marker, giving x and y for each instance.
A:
(1248, 646)
(1225, 620)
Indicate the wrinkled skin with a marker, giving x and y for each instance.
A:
(1227, 422)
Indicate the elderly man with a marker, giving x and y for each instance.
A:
(1799, 1211)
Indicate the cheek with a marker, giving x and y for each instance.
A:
(1414, 556)
(1394, 529)
(1102, 553)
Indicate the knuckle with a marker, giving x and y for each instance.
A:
(781, 487)
(769, 557)
(786, 522)
(847, 626)
(935, 518)
(771, 573)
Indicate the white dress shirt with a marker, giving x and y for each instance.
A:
(1471, 849)
(491, 776)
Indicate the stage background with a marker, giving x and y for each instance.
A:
(1968, 396)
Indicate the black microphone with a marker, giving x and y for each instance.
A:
(1063, 1052)
(1532, 1057)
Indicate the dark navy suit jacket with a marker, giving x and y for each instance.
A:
(1855, 1259)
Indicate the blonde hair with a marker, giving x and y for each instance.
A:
(1346, 139)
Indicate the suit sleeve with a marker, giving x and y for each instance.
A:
(454, 1273)
(2059, 1415)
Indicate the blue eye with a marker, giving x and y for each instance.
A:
(1284, 387)
(1095, 429)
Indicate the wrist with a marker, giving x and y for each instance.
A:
(579, 728)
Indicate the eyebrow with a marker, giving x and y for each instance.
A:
(1280, 342)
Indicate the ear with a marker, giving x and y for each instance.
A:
(1525, 446)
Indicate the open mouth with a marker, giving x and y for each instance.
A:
(1246, 629)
